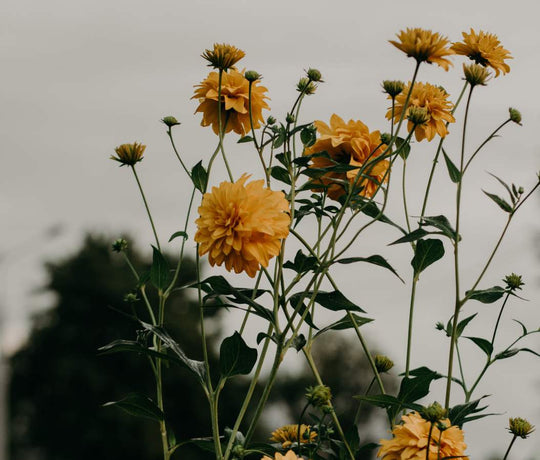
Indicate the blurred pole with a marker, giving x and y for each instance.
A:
(24, 248)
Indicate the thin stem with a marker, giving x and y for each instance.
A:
(169, 133)
(146, 206)
(458, 304)
(429, 440)
(460, 364)
(221, 127)
(404, 195)
(491, 136)
(510, 446)
(257, 147)
(410, 326)
(499, 319)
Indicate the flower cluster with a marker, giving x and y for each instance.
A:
(288, 434)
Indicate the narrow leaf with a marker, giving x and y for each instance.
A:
(336, 301)
(413, 236)
(244, 139)
(453, 171)
(463, 324)
(199, 176)
(177, 234)
(441, 223)
(502, 203)
(483, 344)
(345, 323)
(486, 295)
(159, 272)
(375, 260)
(138, 405)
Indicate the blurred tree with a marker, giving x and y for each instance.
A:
(59, 383)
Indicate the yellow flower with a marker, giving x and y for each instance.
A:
(425, 46)
(223, 56)
(288, 434)
(129, 154)
(290, 455)
(435, 100)
(411, 440)
(234, 102)
(242, 225)
(348, 143)
(485, 49)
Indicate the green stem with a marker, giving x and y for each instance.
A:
(460, 364)
(259, 149)
(169, 133)
(410, 326)
(429, 440)
(404, 195)
(209, 388)
(159, 382)
(499, 319)
(509, 447)
(222, 128)
(458, 303)
(146, 206)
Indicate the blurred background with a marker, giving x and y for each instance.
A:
(81, 77)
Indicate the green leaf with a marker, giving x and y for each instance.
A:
(199, 176)
(507, 353)
(138, 405)
(279, 139)
(426, 252)
(302, 263)
(369, 208)
(235, 357)
(345, 323)
(504, 184)
(523, 328)
(453, 171)
(281, 174)
(502, 203)
(244, 139)
(374, 259)
(486, 295)
(308, 136)
(159, 272)
(177, 234)
(483, 344)
(120, 346)
(413, 236)
(459, 414)
(441, 223)
(195, 367)
(416, 387)
(403, 148)
(333, 300)
(463, 324)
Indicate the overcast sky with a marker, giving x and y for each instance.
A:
(81, 77)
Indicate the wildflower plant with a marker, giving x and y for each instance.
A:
(323, 184)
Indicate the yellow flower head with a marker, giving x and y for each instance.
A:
(425, 46)
(350, 143)
(234, 102)
(484, 49)
(242, 225)
(432, 98)
(288, 434)
(223, 56)
(411, 440)
(129, 154)
(290, 455)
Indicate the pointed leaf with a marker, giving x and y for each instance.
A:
(504, 184)
(281, 174)
(414, 388)
(371, 209)
(199, 176)
(459, 414)
(120, 346)
(302, 263)
(138, 405)
(409, 237)
(235, 357)
(502, 203)
(463, 324)
(374, 259)
(486, 295)
(333, 300)
(244, 139)
(403, 148)
(159, 272)
(453, 171)
(177, 234)
(345, 323)
(441, 223)
(483, 344)
(426, 252)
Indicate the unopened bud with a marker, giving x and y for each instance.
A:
(433, 413)
(170, 121)
(306, 86)
(476, 74)
(290, 118)
(319, 395)
(131, 298)
(418, 115)
(252, 76)
(270, 120)
(383, 363)
(513, 281)
(515, 115)
(520, 427)
(393, 87)
(314, 75)
(386, 138)
(119, 245)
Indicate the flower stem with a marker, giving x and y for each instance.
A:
(146, 206)
(509, 447)
(410, 327)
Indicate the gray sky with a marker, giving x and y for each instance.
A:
(81, 77)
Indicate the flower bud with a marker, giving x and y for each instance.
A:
(418, 115)
(170, 121)
(223, 56)
(252, 76)
(520, 427)
(393, 87)
(238, 452)
(129, 154)
(119, 245)
(515, 115)
(439, 326)
(131, 298)
(386, 138)
(433, 413)
(513, 282)
(306, 86)
(314, 75)
(383, 363)
(270, 120)
(476, 74)
(290, 118)
(319, 395)
(521, 190)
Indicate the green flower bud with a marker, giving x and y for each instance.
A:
(252, 76)
(290, 118)
(393, 87)
(520, 427)
(386, 138)
(418, 115)
(383, 363)
(131, 298)
(306, 86)
(476, 74)
(439, 326)
(120, 245)
(513, 282)
(319, 395)
(271, 120)
(314, 75)
(515, 115)
(170, 121)
(433, 413)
